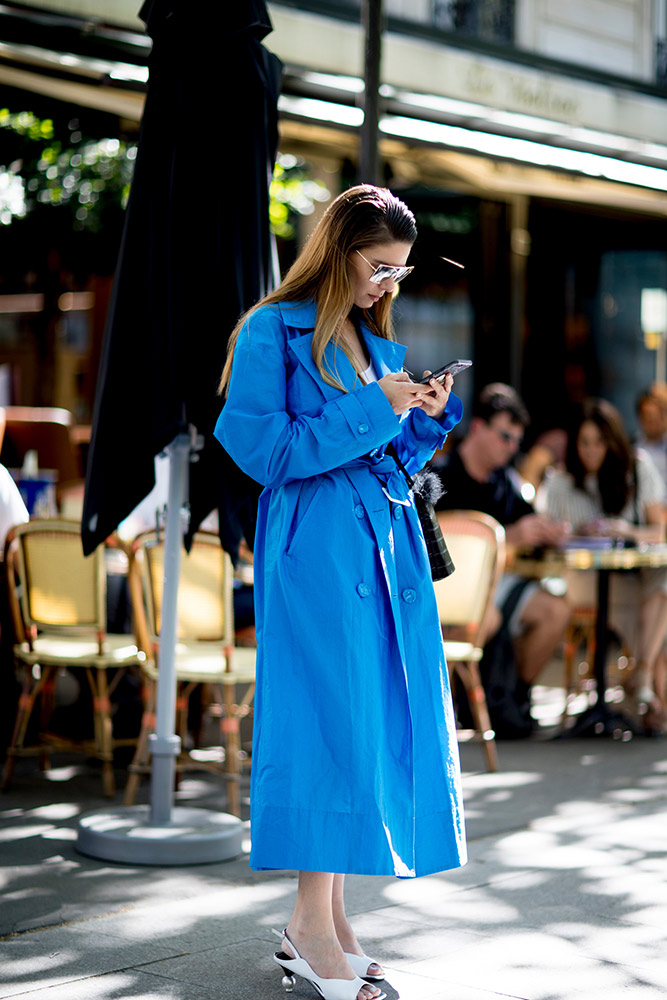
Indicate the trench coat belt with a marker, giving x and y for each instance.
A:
(394, 486)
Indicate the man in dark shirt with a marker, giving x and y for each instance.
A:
(476, 476)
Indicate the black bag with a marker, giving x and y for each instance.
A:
(427, 488)
(441, 562)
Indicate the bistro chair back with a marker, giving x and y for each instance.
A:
(205, 610)
(206, 658)
(476, 543)
(58, 601)
(63, 592)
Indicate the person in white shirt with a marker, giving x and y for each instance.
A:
(652, 435)
(13, 511)
(608, 490)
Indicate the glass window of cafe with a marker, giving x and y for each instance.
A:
(585, 274)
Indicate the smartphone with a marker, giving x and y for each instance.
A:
(454, 367)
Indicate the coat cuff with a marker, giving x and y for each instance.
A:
(435, 431)
(369, 415)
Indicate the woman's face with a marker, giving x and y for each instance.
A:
(365, 292)
(591, 446)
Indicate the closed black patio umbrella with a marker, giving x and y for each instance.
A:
(196, 252)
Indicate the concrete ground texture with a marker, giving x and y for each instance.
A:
(564, 895)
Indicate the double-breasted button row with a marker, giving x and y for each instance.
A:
(408, 595)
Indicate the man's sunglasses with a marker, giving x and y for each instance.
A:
(508, 438)
(384, 271)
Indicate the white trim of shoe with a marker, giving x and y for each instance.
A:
(360, 964)
(645, 695)
(328, 989)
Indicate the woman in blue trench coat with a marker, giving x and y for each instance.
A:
(355, 760)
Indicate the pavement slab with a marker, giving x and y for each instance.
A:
(564, 895)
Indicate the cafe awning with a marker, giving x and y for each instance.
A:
(469, 146)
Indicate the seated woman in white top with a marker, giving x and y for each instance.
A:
(607, 490)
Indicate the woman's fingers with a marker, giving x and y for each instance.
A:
(436, 400)
(401, 391)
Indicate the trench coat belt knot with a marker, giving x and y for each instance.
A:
(394, 485)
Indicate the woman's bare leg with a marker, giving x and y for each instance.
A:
(344, 932)
(313, 931)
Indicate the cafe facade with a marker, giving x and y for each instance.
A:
(529, 138)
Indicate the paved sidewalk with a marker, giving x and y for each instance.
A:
(565, 894)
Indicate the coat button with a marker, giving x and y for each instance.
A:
(398, 512)
(362, 428)
(359, 511)
(363, 590)
(409, 596)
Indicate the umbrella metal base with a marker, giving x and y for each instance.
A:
(192, 837)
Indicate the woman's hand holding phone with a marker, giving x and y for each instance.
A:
(402, 392)
(436, 399)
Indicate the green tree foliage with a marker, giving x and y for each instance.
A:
(292, 193)
(90, 177)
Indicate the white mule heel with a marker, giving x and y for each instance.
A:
(328, 989)
(360, 964)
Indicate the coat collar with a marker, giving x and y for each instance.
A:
(386, 355)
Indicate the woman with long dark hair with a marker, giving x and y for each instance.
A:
(609, 490)
(355, 760)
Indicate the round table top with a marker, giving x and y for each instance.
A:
(595, 556)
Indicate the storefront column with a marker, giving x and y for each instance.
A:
(519, 252)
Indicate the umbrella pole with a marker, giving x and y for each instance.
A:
(164, 834)
(164, 744)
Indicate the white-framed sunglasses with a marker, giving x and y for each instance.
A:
(384, 271)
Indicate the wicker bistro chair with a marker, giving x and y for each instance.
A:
(476, 543)
(58, 602)
(205, 654)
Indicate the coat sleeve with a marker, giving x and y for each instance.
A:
(420, 435)
(274, 446)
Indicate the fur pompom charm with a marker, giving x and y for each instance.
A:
(429, 485)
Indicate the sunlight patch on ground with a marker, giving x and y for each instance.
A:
(61, 833)
(23, 832)
(57, 810)
(500, 779)
(64, 773)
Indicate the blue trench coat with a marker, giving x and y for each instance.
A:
(355, 765)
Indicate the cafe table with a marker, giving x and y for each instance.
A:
(605, 556)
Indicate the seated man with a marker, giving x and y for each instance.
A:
(476, 477)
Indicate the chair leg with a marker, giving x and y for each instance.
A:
(46, 706)
(139, 763)
(230, 735)
(472, 682)
(103, 727)
(570, 646)
(577, 633)
(480, 714)
(30, 692)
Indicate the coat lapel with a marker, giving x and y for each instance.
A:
(386, 355)
(302, 350)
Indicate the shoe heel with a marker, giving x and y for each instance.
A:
(288, 980)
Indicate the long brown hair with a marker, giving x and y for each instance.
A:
(360, 217)
(616, 476)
